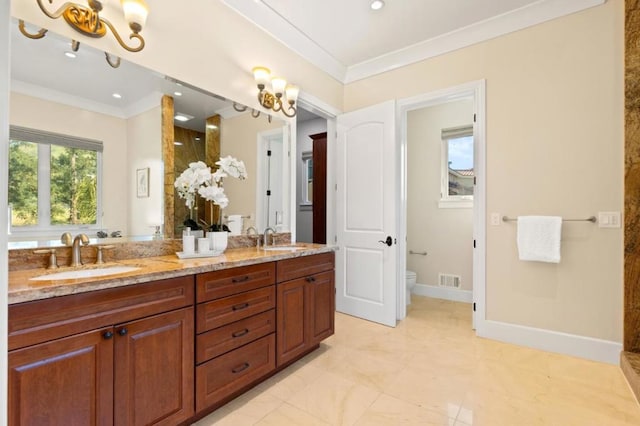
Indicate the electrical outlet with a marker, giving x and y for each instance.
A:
(495, 219)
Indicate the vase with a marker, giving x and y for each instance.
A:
(218, 240)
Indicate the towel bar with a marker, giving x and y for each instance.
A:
(591, 219)
(421, 253)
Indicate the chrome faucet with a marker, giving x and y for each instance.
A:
(265, 236)
(76, 258)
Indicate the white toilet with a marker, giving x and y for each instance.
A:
(411, 283)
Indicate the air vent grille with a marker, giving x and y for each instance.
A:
(449, 280)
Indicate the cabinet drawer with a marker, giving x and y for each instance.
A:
(226, 374)
(224, 339)
(216, 284)
(224, 311)
(298, 267)
(43, 320)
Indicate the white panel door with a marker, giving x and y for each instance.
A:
(366, 209)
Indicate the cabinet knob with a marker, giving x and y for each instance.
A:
(123, 331)
(107, 335)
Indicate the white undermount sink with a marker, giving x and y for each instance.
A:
(283, 248)
(86, 273)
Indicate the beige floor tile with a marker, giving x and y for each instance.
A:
(335, 400)
(432, 370)
(387, 410)
(287, 414)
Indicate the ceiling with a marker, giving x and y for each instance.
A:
(350, 41)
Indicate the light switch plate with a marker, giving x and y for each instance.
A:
(609, 220)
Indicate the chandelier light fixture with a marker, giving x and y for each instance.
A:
(283, 98)
(87, 21)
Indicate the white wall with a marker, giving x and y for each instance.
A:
(144, 150)
(49, 116)
(304, 217)
(4, 185)
(446, 234)
(554, 146)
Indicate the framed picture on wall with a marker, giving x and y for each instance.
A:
(142, 182)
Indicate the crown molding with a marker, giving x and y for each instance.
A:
(515, 20)
(279, 28)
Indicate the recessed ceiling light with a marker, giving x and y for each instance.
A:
(177, 93)
(177, 143)
(117, 95)
(70, 55)
(182, 117)
(377, 4)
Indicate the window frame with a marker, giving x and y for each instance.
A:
(446, 200)
(44, 140)
(305, 201)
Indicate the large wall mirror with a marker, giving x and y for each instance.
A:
(130, 109)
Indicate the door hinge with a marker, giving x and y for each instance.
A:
(335, 239)
(474, 118)
(268, 153)
(474, 306)
(336, 186)
(474, 180)
(474, 243)
(268, 192)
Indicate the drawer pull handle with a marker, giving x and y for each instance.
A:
(311, 279)
(240, 333)
(240, 368)
(240, 280)
(240, 306)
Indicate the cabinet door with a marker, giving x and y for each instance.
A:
(321, 312)
(154, 369)
(291, 329)
(67, 381)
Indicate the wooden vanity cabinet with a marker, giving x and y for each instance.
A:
(121, 356)
(235, 326)
(306, 304)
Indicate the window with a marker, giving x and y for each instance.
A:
(54, 181)
(457, 167)
(307, 178)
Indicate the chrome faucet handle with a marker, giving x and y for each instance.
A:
(99, 258)
(53, 260)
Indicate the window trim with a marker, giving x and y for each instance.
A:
(44, 140)
(447, 201)
(305, 202)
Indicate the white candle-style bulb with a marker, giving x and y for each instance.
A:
(262, 76)
(292, 93)
(135, 12)
(278, 84)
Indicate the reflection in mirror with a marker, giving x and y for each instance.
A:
(86, 98)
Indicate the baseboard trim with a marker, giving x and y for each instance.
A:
(552, 341)
(446, 293)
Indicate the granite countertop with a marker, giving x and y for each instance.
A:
(23, 289)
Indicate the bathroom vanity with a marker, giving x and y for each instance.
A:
(167, 343)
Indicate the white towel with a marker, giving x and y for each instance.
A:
(234, 222)
(539, 238)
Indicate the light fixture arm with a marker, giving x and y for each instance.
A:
(41, 32)
(87, 21)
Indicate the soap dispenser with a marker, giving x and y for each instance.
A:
(188, 242)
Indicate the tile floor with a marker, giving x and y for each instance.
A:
(432, 370)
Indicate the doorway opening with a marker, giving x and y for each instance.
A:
(443, 185)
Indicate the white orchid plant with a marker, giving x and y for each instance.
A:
(198, 180)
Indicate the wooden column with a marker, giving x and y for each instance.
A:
(212, 152)
(167, 157)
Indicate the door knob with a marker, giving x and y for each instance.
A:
(388, 241)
